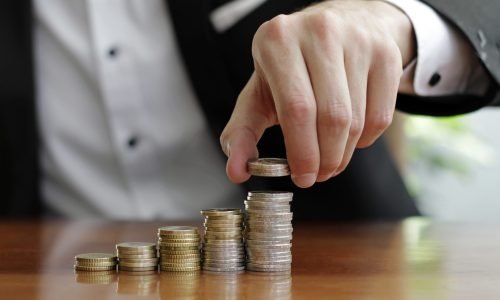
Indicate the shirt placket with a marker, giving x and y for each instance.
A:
(124, 102)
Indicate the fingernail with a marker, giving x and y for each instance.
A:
(305, 180)
(228, 149)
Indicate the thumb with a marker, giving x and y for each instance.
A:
(253, 114)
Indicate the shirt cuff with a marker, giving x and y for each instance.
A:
(446, 64)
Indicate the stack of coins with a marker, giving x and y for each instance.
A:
(179, 248)
(137, 256)
(268, 231)
(268, 167)
(223, 248)
(94, 262)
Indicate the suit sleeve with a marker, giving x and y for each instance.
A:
(478, 24)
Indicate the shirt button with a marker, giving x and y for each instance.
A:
(113, 52)
(435, 78)
(132, 142)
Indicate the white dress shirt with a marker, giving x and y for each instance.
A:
(122, 135)
(446, 63)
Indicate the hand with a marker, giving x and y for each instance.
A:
(329, 76)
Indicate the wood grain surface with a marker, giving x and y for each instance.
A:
(413, 259)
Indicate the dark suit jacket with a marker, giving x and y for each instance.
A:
(219, 66)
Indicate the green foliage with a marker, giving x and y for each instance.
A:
(442, 145)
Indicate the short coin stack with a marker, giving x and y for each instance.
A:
(268, 167)
(268, 231)
(179, 248)
(137, 256)
(223, 248)
(94, 262)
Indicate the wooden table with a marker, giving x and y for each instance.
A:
(414, 259)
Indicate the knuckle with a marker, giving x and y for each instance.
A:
(275, 29)
(336, 116)
(324, 25)
(298, 110)
(361, 38)
(380, 122)
(387, 52)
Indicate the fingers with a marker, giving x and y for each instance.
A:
(283, 65)
(325, 63)
(356, 65)
(383, 83)
(252, 115)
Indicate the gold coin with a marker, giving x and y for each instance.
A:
(181, 260)
(137, 269)
(139, 260)
(182, 256)
(137, 256)
(177, 236)
(94, 268)
(181, 265)
(95, 264)
(178, 241)
(180, 269)
(133, 246)
(226, 230)
(168, 253)
(177, 229)
(137, 265)
(95, 257)
(225, 217)
(221, 212)
(178, 246)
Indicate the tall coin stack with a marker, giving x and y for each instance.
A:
(268, 225)
(268, 231)
(179, 248)
(223, 248)
(95, 262)
(137, 256)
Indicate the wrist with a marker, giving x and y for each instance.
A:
(398, 24)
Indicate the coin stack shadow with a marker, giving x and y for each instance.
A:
(268, 231)
(179, 248)
(223, 248)
(95, 262)
(137, 256)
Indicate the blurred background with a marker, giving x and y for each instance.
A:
(451, 165)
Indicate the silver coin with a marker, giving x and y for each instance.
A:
(270, 210)
(272, 224)
(269, 195)
(255, 268)
(268, 229)
(233, 247)
(223, 256)
(255, 252)
(232, 269)
(226, 230)
(224, 261)
(268, 237)
(223, 264)
(274, 217)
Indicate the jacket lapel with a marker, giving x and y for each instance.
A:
(196, 40)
